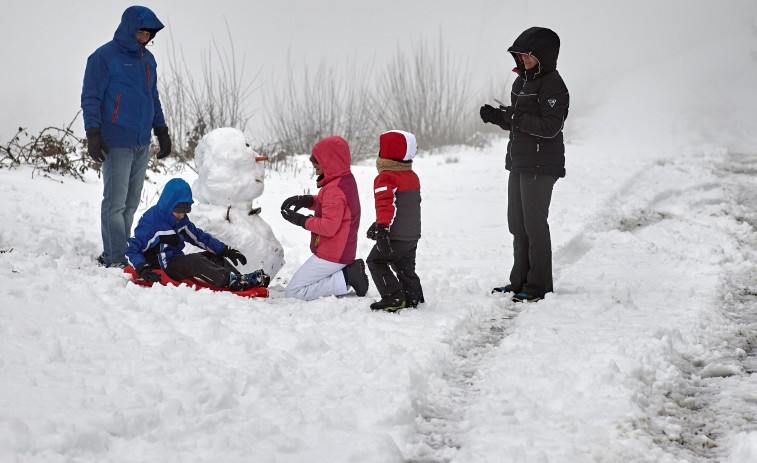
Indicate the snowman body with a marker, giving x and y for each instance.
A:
(230, 177)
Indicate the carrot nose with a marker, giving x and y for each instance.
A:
(261, 158)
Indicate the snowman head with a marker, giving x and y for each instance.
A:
(229, 171)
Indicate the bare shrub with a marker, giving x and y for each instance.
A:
(327, 101)
(54, 149)
(195, 103)
(427, 92)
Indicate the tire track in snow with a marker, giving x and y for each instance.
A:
(442, 414)
(685, 415)
(712, 396)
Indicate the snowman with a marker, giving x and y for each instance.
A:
(230, 177)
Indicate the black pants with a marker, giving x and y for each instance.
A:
(206, 266)
(528, 198)
(402, 262)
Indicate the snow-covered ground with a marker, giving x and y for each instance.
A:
(643, 353)
(646, 352)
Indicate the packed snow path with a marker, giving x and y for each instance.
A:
(710, 395)
(645, 352)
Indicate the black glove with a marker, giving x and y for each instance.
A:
(504, 116)
(508, 114)
(164, 140)
(145, 272)
(490, 114)
(294, 217)
(96, 145)
(383, 244)
(298, 202)
(371, 233)
(234, 256)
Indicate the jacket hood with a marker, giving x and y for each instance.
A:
(134, 19)
(541, 43)
(333, 154)
(176, 191)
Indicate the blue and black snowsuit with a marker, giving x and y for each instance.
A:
(159, 239)
(119, 94)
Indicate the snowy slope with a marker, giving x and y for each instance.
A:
(644, 353)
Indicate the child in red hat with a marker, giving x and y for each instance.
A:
(397, 192)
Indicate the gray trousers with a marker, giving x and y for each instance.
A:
(528, 198)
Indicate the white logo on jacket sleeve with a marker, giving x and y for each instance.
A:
(552, 102)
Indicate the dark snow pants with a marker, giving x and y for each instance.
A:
(206, 266)
(402, 262)
(528, 198)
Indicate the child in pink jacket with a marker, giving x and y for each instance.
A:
(332, 269)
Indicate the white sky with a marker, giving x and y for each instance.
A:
(48, 41)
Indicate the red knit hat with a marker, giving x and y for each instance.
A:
(397, 145)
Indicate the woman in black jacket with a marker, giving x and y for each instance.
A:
(535, 157)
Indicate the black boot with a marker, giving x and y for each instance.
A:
(355, 276)
(390, 303)
(412, 299)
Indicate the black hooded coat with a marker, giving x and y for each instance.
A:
(540, 99)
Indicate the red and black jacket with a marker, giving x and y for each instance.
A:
(398, 204)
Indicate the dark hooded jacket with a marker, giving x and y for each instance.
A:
(119, 94)
(540, 99)
(160, 236)
(334, 225)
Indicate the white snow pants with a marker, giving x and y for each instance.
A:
(317, 278)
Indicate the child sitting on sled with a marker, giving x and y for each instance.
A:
(158, 243)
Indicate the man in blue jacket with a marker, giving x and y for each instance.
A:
(120, 104)
(158, 243)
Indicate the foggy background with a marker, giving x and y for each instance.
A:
(47, 43)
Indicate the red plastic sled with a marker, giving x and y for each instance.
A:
(192, 283)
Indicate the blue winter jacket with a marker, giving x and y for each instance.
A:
(160, 236)
(120, 94)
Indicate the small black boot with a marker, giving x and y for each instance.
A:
(355, 276)
(390, 303)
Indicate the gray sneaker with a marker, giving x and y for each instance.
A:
(523, 297)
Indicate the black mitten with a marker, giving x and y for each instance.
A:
(383, 243)
(234, 256)
(96, 145)
(164, 141)
(371, 233)
(294, 217)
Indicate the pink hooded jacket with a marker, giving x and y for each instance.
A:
(335, 224)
